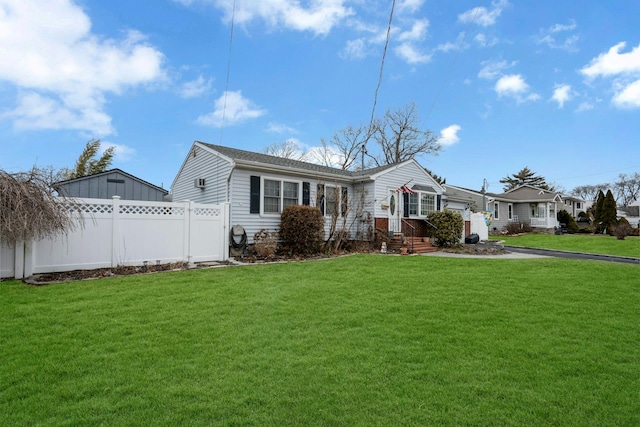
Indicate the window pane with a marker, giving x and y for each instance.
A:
(271, 204)
(290, 194)
(271, 188)
(413, 204)
(427, 204)
(271, 196)
(332, 200)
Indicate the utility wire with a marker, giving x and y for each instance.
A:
(375, 96)
(384, 54)
(226, 88)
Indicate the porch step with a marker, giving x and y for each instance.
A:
(419, 245)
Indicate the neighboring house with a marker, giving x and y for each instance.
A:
(574, 205)
(533, 205)
(258, 187)
(464, 201)
(105, 185)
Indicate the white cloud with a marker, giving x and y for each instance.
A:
(624, 69)
(354, 49)
(411, 54)
(407, 49)
(417, 32)
(514, 86)
(459, 44)
(511, 84)
(196, 88)
(449, 135)
(36, 111)
(549, 37)
(280, 128)
(410, 6)
(232, 110)
(613, 62)
(47, 51)
(319, 17)
(629, 96)
(485, 41)
(561, 27)
(123, 153)
(561, 94)
(492, 69)
(584, 106)
(325, 156)
(483, 16)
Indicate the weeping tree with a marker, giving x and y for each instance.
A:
(30, 211)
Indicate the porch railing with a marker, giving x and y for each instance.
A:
(544, 222)
(406, 226)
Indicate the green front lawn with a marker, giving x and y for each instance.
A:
(587, 243)
(360, 340)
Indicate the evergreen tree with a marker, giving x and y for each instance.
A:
(525, 177)
(609, 216)
(597, 213)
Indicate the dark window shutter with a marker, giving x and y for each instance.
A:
(306, 193)
(345, 199)
(405, 204)
(254, 198)
(438, 202)
(320, 198)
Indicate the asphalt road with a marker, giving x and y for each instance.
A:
(573, 255)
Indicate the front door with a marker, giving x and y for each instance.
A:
(394, 212)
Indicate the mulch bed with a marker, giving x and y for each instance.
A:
(478, 249)
(98, 273)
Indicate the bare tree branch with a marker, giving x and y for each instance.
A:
(400, 138)
(288, 149)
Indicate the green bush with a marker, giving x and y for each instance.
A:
(302, 230)
(566, 218)
(448, 228)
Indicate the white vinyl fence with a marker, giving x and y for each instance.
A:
(126, 232)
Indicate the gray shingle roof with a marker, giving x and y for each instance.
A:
(107, 172)
(265, 159)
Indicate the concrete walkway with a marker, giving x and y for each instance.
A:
(510, 255)
(516, 252)
(572, 255)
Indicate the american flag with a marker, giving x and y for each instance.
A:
(405, 189)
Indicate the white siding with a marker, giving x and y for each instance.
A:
(409, 173)
(208, 165)
(252, 223)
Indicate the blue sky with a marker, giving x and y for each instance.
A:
(552, 85)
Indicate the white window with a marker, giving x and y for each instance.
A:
(496, 209)
(421, 204)
(427, 204)
(277, 195)
(510, 213)
(413, 204)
